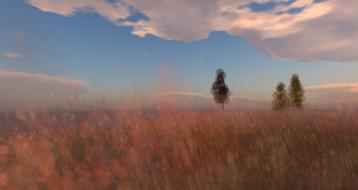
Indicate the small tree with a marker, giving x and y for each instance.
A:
(219, 89)
(280, 99)
(296, 92)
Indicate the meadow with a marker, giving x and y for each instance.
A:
(147, 150)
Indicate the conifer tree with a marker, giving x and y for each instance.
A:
(296, 92)
(280, 99)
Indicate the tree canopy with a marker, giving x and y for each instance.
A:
(296, 92)
(280, 99)
(220, 90)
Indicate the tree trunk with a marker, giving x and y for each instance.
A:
(222, 107)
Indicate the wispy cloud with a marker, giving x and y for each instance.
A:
(24, 90)
(352, 87)
(333, 95)
(12, 55)
(107, 9)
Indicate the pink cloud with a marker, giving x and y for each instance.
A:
(333, 95)
(321, 31)
(12, 55)
(28, 90)
(352, 87)
(111, 11)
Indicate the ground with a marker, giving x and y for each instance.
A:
(178, 150)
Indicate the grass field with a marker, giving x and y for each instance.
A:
(178, 150)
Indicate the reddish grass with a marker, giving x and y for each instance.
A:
(179, 150)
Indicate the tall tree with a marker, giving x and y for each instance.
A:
(296, 92)
(280, 99)
(219, 89)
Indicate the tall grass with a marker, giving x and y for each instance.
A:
(178, 150)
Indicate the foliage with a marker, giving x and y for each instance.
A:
(296, 92)
(280, 99)
(220, 90)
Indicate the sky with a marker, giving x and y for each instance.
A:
(121, 50)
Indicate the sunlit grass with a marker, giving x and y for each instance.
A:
(179, 150)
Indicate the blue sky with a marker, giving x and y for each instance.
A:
(113, 60)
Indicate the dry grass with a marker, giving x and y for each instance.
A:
(179, 150)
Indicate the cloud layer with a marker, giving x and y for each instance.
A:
(111, 11)
(299, 30)
(350, 87)
(12, 55)
(333, 95)
(30, 90)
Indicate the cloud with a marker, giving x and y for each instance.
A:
(351, 87)
(301, 3)
(12, 55)
(315, 31)
(333, 95)
(31, 90)
(111, 11)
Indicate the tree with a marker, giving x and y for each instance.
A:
(219, 89)
(296, 92)
(280, 99)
